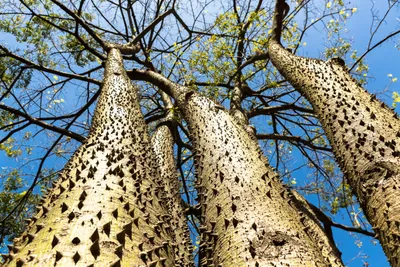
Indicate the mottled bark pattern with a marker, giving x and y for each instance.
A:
(247, 219)
(364, 133)
(322, 239)
(105, 209)
(163, 144)
(312, 225)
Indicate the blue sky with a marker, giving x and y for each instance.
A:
(383, 67)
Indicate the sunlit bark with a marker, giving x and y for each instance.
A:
(322, 236)
(364, 134)
(247, 216)
(106, 208)
(163, 144)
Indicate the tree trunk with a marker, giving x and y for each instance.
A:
(363, 132)
(323, 237)
(246, 216)
(106, 209)
(163, 144)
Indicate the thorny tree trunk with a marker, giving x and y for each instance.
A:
(323, 237)
(163, 144)
(106, 207)
(246, 216)
(363, 132)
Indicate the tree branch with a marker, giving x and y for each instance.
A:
(82, 23)
(36, 121)
(271, 110)
(152, 25)
(373, 47)
(296, 139)
(281, 9)
(45, 69)
(329, 223)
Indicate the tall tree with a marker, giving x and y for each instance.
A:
(246, 215)
(163, 144)
(363, 131)
(106, 208)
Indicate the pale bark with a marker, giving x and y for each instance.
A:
(322, 237)
(364, 134)
(247, 218)
(106, 208)
(163, 144)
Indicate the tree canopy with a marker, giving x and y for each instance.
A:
(52, 68)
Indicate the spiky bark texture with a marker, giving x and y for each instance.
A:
(163, 144)
(247, 218)
(106, 209)
(363, 132)
(323, 238)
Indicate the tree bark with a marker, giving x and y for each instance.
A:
(106, 208)
(247, 218)
(163, 143)
(364, 134)
(322, 236)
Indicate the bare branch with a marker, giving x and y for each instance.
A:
(40, 123)
(296, 139)
(272, 110)
(45, 69)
